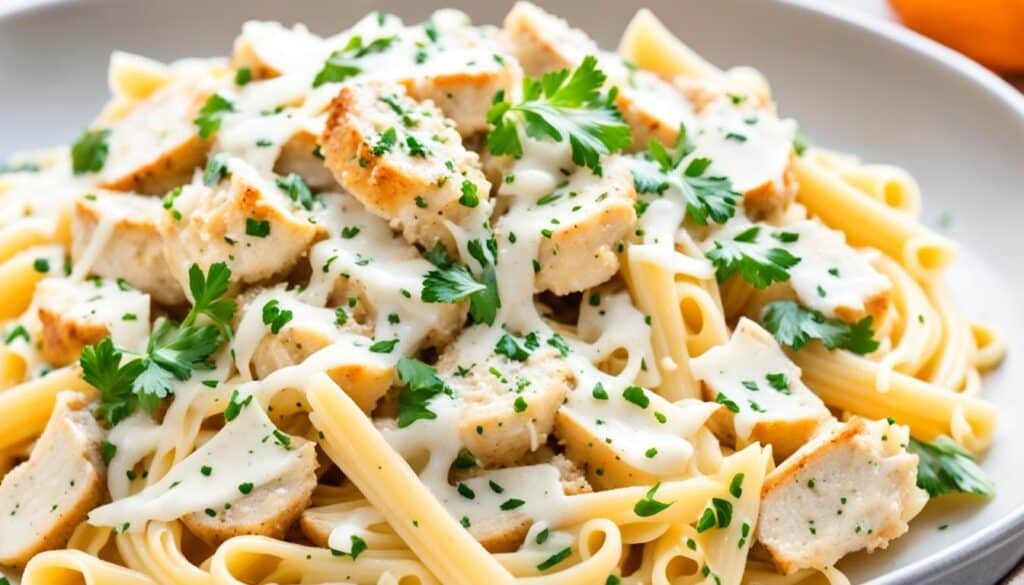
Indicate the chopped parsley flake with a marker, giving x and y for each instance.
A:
(212, 113)
(648, 506)
(257, 228)
(555, 559)
(637, 396)
(274, 316)
(89, 152)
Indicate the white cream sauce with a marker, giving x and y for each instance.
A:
(831, 275)
(243, 451)
(748, 145)
(742, 371)
(124, 312)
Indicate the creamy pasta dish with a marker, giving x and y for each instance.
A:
(461, 304)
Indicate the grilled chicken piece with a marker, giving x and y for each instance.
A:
(594, 215)
(242, 220)
(508, 406)
(765, 398)
(133, 250)
(653, 107)
(852, 487)
(505, 531)
(404, 161)
(268, 510)
(76, 314)
(310, 330)
(46, 497)
(156, 147)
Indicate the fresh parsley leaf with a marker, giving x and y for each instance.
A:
(282, 439)
(648, 506)
(336, 68)
(723, 509)
(719, 514)
(89, 152)
(102, 369)
(512, 504)
(208, 292)
(943, 466)
(648, 177)
(724, 400)
(707, 521)
(449, 285)
(542, 536)
(556, 341)
(779, 382)
(108, 451)
(465, 459)
(756, 264)
(794, 326)
(659, 170)
(430, 30)
(296, 189)
(562, 107)
(172, 352)
(736, 486)
(422, 384)
(340, 316)
(257, 228)
(416, 148)
(484, 304)
(707, 196)
(342, 64)
(152, 385)
(181, 349)
(452, 283)
(210, 115)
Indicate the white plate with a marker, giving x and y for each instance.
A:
(869, 88)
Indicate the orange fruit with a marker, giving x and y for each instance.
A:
(989, 31)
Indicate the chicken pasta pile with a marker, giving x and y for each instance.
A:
(460, 304)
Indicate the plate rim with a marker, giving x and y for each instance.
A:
(993, 538)
(984, 543)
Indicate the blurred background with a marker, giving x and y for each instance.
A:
(988, 31)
